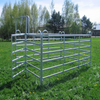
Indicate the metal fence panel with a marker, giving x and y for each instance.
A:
(40, 47)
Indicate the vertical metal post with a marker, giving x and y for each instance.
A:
(33, 45)
(26, 52)
(48, 39)
(15, 39)
(74, 44)
(15, 52)
(63, 52)
(90, 47)
(79, 53)
(11, 59)
(61, 45)
(41, 62)
(26, 47)
(48, 46)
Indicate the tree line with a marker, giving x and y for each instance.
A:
(40, 18)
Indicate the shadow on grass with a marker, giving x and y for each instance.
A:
(63, 79)
(42, 88)
(8, 84)
(12, 82)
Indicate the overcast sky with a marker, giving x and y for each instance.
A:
(90, 8)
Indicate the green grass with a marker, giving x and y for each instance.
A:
(79, 84)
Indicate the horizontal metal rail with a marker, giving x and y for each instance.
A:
(23, 61)
(47, 39)
(17, 58)
(84, 50)
(33, 73)
(65, 70)
(52, 59)
(33, 50)
(19, 73)
(18, 50)
(20, 45)
(24, 45)
(85, 46)
(21, 34)
(33, 66)
(53, 43)
(57, 35)
(23, 39)
(77, 48)
(33, 43)
(66, 35)
(34, 55)
(18, 66)
(30, 55)
(52, 35)
(69, 42)
(55, 51)
(73, 58)
(76, 44)
(65, 42)
(18, 42)
(33, 58)
(49, 48)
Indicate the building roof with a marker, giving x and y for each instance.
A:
(96, 27)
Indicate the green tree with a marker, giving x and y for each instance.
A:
(15, 11)
(43, 15)
(71, 17)
(86, 24)
(46, 16)
(34, 17)
(68, 15)
(6, 21)
(24, 9)
(52, 7)
(56, 22)
(68, 12)
(40, 18)
(76, 25)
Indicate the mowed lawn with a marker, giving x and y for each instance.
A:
(78, 84)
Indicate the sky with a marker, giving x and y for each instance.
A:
(89, 8)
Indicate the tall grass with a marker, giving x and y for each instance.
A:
(79, 84)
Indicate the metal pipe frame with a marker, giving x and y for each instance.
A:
(62, 50)
(27, 19)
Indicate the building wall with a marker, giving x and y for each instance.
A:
(96, 33)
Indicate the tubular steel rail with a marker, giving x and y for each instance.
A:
(69, 49)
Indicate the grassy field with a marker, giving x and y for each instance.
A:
(79, 84)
